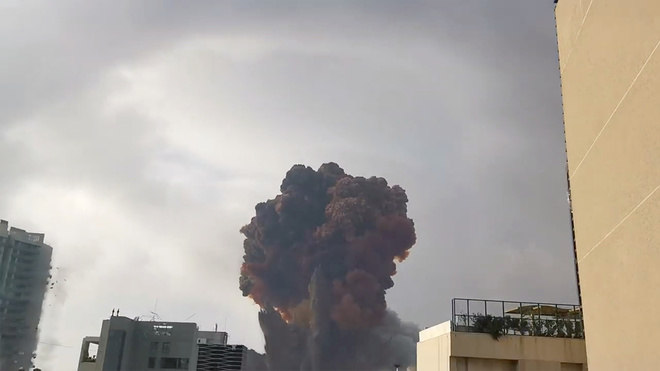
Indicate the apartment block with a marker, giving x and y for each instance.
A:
(24, 275)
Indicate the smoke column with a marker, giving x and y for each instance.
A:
(318, 259)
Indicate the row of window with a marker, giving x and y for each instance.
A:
(165, 349)
(169, 363)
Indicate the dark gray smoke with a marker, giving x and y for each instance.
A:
(318, 260)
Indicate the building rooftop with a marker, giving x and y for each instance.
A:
(501, 317)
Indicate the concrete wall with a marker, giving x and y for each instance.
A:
(433, 348)
(478, 364)
(439, 349)
(113, 350)
(610, 71)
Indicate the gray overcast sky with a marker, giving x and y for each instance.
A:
(139, 136)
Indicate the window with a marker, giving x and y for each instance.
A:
(152, 362)
(90, 350)
(163, 330)
(174, 363)
(166, 348)
(153, 347)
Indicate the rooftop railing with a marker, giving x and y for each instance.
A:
(500, 317)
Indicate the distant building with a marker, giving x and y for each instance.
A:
(24, 275)
(609, 59)
(132, 345)
(486, 335)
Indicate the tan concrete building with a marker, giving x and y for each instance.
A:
(441, 349)
(485, 335)
(610, 73)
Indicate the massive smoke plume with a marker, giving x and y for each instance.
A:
(318, 259)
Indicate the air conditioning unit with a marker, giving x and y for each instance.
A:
(201, 340)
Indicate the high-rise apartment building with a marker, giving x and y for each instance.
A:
(132, 345)
(24, 274)
(610, 73)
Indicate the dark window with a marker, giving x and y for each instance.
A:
(174, 363)
(166, 348)
(152, 362)
(153, 348)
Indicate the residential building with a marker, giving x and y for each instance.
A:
(24, 275)
(489, 335)
(609, 61)
(132, 345)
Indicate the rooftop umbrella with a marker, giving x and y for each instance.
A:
(540, 310)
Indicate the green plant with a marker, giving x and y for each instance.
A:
(525, 327)
(579, 330)
(562, 328)
(551, 327)
(511, 324)
(495, 326)
(570, 328)
(537, 327)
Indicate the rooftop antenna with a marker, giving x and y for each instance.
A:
(154, 314)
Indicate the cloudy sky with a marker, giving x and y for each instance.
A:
(138, 136)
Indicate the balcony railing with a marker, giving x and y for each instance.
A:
(499, 317)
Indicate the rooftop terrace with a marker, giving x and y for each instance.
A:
(500, 317)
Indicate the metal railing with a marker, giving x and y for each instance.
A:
(500, 317)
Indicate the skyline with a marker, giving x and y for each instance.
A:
(138, 138)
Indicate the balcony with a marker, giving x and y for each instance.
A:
(499, 318)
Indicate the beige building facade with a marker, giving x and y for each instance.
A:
(610, 73)
(441, 349)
